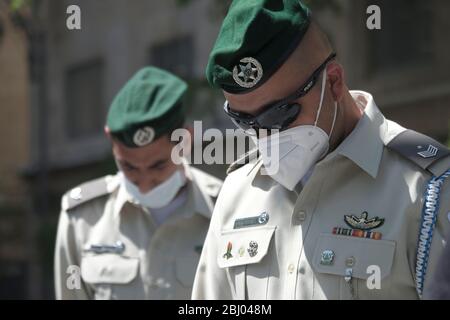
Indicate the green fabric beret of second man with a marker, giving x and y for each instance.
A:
(256, 38)
(147, 107)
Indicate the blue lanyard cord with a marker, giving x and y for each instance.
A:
(427, 225)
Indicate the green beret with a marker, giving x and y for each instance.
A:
(256, 38)
(147, 107)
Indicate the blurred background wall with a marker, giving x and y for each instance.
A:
(56, 86)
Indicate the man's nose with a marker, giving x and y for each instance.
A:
(147, 185)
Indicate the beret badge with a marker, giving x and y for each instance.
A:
(248, 72)
(144, 136)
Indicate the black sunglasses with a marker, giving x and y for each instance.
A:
(278, 115)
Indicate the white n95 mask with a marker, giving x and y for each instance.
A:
(287, 156)
(161, 195)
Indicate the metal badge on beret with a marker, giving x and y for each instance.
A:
(144, 136)
(248, 72)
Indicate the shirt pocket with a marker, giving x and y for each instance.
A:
(244, 253)
(185, 267)
(103, 271)
(362, 257)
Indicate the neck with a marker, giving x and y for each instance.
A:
(350, 115)
(353, 114)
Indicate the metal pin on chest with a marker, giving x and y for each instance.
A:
(117, 248)
(327, 258)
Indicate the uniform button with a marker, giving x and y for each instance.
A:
(302, 270)
(76, 194)
(350, 261)
(291, 268)
(299, 217)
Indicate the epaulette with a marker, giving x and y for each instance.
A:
(89, 191)
(422, 150)
(433, 157)
(242, 161)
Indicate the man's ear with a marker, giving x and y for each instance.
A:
(188, 142)
(336, 80)
(191, 131)
(107, 132)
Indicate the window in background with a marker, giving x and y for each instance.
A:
(2, 31)
(175, 55)
(84, 100)
(406, 36)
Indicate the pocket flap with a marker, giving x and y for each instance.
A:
(356, 253)
(108, 268)
(185, 267)
(244, 246)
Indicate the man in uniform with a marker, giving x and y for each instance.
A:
(138, 234)
(341, 217)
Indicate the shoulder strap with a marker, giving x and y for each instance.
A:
(426, 153)
(419, 148)
(88, 191)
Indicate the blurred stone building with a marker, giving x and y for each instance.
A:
(14, 154)
(404, 65)
(56, 85)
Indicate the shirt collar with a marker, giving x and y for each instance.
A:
(364, 146)
(198, 198)
(122, 196)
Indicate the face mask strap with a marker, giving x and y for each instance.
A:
(322, 94)
(334, 118)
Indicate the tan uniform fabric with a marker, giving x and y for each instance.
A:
(158, 262)
(284, 255)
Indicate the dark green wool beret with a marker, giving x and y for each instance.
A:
(147, 107)
(256, 38)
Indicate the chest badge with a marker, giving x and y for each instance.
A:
(363, 222)
(228, 254)
(260, 220)
(327, 258)
(252, 248)
(117, 248)
(361, 227)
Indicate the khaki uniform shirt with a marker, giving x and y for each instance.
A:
(118, 251)
(266, 242)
